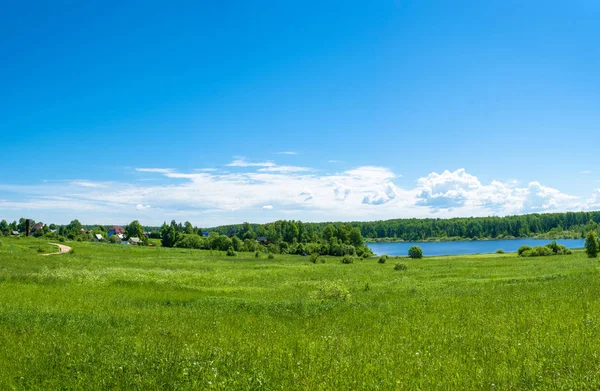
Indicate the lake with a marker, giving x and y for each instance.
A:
(463, 248)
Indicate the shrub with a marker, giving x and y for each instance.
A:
(500, 251)
(256, 254)
(40, 250)
(522, 249)
(527, 253)
(383, 258)
(347, 259)
(553, 247)
(333, 290)
(271, 256)
(541, 251)
(415, 252)
(401, 267)
(537, 251)
(558, 249)
(591, 245)
(314, 257)
(231, 252)
(365, 255)
(72, 251)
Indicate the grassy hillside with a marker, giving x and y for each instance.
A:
(121, 317)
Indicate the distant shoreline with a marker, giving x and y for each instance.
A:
(434, 240)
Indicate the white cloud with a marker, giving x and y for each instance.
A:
(286, 153)
(586, 172)
(341, 191)
(459, 189)
(241, 162)
(446, 190)
(223, 197)
(594, 201)
(285, 169)
(84, 183)
(155, 170)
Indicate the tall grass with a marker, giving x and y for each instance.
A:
(120, 317)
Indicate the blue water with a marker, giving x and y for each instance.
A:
(472, 247)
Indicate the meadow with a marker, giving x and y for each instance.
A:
(122, 317)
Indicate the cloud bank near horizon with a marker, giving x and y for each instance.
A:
(265, 191)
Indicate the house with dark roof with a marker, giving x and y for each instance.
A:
(262, 240)
(37, 226)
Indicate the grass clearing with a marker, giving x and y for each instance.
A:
(123, 317)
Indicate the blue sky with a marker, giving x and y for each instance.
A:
(148, 110)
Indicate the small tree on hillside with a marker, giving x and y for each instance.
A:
(591, 245)
(415, 252)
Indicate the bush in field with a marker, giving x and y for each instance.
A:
(558, 249)
(541, 251)
(383, 258)
(401, 267)
(314, 257)
(415, 252)
(256, 254)
(591, 245)
(347, 259)
(191, 241)
(522, 249)
(271, 256)
(537, 251)
(231, 252)
(364, 252)
(332, 291)
(500, 251)
(40, 250)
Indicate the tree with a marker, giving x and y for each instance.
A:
(237, 243)
(591, 245)
(415, 252)
(74, 225)
(22, 225)
(135, 230)
(188, 228)
(246, 232)
(169, 234)
(4, 227)
(355, 237)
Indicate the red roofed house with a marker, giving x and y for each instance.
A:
(115, 230)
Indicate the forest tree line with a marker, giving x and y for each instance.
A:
(548, 225)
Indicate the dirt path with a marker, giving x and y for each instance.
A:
(61, 249)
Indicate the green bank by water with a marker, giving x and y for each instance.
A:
(121, 317)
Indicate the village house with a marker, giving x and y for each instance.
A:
(262, 240)
(116, 230)
(37, 226)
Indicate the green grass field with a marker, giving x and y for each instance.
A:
(120, 317)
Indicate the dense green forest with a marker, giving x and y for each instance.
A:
(548, 225)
